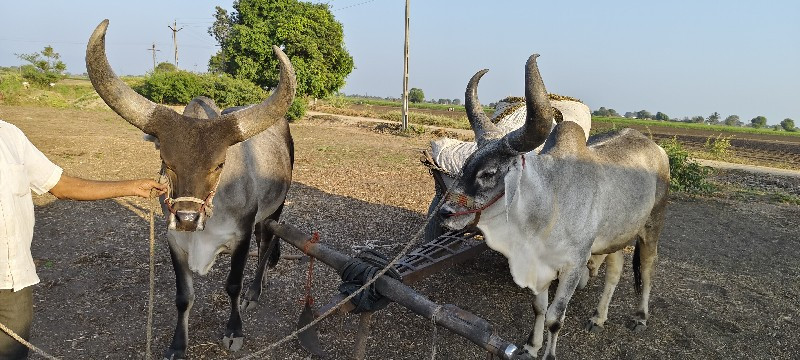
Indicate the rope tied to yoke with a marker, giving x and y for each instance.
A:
(309, 300)
(358, 271)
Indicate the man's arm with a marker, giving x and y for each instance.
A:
(74, 188)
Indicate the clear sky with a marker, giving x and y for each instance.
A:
(684, 58)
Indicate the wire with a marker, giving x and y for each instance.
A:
(354, 5)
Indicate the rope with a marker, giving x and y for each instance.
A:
(310, 275)
(150, 297)
(27, 344)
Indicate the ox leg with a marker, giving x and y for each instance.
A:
(644, 260)
(614, 263)
(536, 336)
(568, 280)
(234, 336)
(184, 298)
(269, 253)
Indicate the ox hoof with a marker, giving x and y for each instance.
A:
(172, 354)
(248, 305)
(528, 353)
(233, 343)
(637, 325)
(593, 327)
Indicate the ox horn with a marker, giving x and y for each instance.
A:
(134, 108)
(480, 123)
(539, 119)
(255, 119)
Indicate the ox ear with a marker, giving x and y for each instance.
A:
(255, 119)
(512, 184)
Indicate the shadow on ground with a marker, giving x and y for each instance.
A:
(726, 286)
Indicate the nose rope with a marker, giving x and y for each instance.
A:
(462, 200)
(206, 204)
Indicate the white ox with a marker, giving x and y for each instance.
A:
(548, 213)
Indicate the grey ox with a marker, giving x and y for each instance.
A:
(549, 212)
(227, 173)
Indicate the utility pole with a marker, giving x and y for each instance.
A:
(404, 120)
(153, 49)
(175, 30)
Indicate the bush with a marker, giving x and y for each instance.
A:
(718, 146)
(228, 91)
(180, 87)
(685, 174)
(297, 109)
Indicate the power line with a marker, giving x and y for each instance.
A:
(153, 49)
(175, 38)
(354, 5)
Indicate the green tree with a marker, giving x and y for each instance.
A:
(416, 95)
(220, 31)
(308, 33)
(166, 67)
(613, 113)
(758, 122)
(713, 119)
(602, 111)
(643, 114)
(698, 119)
(45, 66)
(788, 125)
(733, 120)
(661, 116)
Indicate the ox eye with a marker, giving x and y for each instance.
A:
(487, 174)
(219, 167)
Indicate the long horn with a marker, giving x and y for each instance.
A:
(478, 120)
(133, 107)
(255, 119)
(539, 119)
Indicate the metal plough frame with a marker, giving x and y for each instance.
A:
(429, 258)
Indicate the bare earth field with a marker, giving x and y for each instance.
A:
(726, 284)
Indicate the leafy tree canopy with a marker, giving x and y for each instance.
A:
(733, 120)
(166, 67)
(45, 66)
(758, 122)
(308, 34)
(416, 95)
(788, 124)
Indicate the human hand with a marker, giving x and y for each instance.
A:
(148, 188)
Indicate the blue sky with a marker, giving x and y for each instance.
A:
(684, 58)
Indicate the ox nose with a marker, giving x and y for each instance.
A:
(445, 212)
(187, 217)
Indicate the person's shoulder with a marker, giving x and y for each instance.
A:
(10, 129)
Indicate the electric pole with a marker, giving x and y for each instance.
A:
(175, 30)
(404, 123)
(153, 49)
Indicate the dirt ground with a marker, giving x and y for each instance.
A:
(726, 284)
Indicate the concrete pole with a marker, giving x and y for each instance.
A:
(175, 30)
(404, 124)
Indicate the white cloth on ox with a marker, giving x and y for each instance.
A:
(22, 168)
(450, 154)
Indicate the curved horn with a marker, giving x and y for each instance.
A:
(478, 120)
(134, 108)
(255, 119)
(539, 119)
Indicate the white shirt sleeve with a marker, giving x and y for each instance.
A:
(41, 172)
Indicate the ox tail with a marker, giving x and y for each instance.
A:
(275, 252)
(637, 267)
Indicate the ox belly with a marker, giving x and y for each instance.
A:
(202, 247)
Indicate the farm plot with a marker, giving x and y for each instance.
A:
(726, 285)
